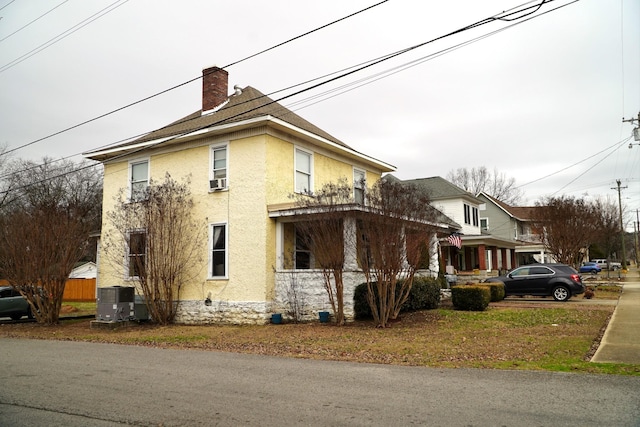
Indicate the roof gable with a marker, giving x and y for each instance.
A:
(522, 213)
(439, 188)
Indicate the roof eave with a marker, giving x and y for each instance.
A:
(121, 151)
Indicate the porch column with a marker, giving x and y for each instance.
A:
(482, 257)
(494, 258)
(279, 245)
(350, 243)
(513, 258)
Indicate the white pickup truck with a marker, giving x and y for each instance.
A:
(607, 265)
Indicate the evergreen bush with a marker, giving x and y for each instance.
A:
(497, 290)
(424, 294)
(470, 297)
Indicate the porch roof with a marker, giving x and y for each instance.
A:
(289, 212)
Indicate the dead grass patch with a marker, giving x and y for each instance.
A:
(504, 337)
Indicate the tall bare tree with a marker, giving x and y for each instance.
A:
(44, 229)
(323, 232)
(607, 236)
(568, 225)
(496, 184)
(159, 240)
(393, 232)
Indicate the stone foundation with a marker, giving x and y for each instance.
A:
(302, 287)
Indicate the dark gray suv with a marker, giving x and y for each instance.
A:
(12, 304)
(557, 280)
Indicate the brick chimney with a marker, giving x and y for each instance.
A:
(214, 87)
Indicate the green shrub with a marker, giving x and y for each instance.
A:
(361, 307)
(470, 297)
(424, 294)
(497, 290)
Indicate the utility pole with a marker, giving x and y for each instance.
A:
(636, 131)
(624, 255)
(637, 230)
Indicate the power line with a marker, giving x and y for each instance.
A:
(583, 173)
(7, 4)
(342, 75)
(188, 81)
(26, 25)
(113, 6)
(575, 164)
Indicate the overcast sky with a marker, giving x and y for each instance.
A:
(531, 101)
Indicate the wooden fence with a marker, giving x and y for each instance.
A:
(75, 289)
(80, 290)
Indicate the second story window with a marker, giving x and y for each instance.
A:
(139, 179)
(304, 171)
(467, 214)
(218, 177)
(359, 185)
(474, 214)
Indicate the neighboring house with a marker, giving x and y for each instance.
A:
(480, 250)
(515, 223)
(85, 271)
(245, 155)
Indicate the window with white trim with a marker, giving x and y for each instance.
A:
(304, 171)
(303, 252)
(484, 224)
(474, 212)
(359, 185)
(138, 179)
(218, 249)
(467, 214)
(136, 253)
(218, 176)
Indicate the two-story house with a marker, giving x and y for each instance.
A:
(514, 223)
(479, 250)
(245, 155)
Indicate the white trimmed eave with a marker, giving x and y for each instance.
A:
(124, 150)
(297, 214)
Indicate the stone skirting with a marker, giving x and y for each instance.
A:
(306, 287)
(223, 312)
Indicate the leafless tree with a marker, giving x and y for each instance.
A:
(44, 229)
(323, 232)
(607, 235)
(392, 235)
(568, 225)
(496, 184)
(159, 229)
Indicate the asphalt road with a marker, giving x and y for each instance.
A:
(71, 384)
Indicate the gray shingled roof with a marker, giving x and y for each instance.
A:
(250, 104)
(438, 188)
(523, 213)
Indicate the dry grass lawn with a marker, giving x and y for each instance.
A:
(544, 336)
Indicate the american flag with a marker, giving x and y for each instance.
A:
(455, 240)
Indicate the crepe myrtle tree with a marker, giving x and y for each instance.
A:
(569, 225)
(393, 234)
(158, 239)
(45, 224)
(322, 231)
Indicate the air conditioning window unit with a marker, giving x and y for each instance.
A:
(217, 184)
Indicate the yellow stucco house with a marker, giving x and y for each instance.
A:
(245, 155)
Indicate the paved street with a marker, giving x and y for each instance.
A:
(83, 384)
